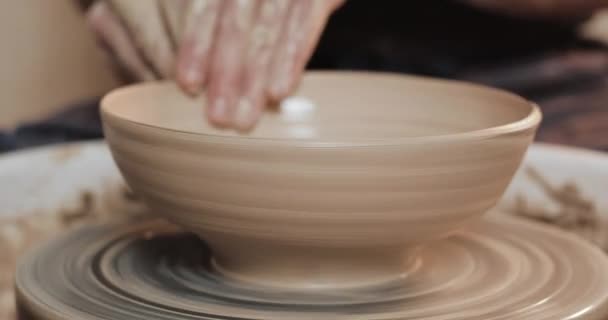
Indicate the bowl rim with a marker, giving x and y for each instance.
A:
(528, 122)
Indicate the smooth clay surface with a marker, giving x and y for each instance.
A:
(337, 187)
(498, 268)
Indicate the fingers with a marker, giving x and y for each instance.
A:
(147, 26)
(173, 13)
(108, 27)
(228, 55)
(243, 51)
(302, 30)
(195, 50)
(263, 39)
(260, 49)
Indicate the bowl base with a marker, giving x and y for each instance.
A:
(289, 267)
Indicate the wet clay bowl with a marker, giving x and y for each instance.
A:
(337, 187)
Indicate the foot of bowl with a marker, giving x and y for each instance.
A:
(299, 267)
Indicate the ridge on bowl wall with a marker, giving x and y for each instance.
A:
(335, 189)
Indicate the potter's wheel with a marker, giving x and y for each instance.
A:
(500, 268)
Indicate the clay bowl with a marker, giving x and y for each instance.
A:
(337, 187)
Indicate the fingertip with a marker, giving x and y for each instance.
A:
(96, 12)
(190, 80)
(113, 37)
(284, 78)
(190, 74)
(272, 93)
(281, 89)
(218, 111)
(247, 114)
(278, 90)
(99, 17)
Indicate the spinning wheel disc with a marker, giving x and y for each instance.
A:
(500, 268)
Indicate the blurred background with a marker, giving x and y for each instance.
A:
(53, 73)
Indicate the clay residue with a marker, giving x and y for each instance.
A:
(21, 232)
(576, 212)
(65, 153)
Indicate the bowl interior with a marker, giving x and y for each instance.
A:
(331, 106)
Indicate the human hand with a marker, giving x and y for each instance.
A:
(242, 53)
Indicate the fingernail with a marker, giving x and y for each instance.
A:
(98, 10)
(280, 87)
(218, 112)
(192, 78)
(189, 71)
(244, 117)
